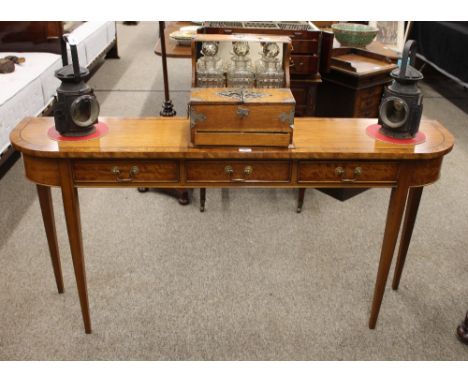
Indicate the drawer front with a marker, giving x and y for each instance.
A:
(347, 172)
(367, 102)
(238, 171)
(305, 46)
(253, 118)
(304, 64)
(127, 171)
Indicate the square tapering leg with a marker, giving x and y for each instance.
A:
(72, 217)
(45, 201)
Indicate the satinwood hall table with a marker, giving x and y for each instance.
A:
(156, 152)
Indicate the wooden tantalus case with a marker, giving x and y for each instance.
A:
(241, 116)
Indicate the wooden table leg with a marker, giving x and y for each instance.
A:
(462, 330)
(72, 216)
(414, 197)
(300, 199)
(47, 209)
(394, 216)
(202, 199)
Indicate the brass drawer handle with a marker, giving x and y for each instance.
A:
(243, 112)
(340, 171)
(133, 171)
(230, 171)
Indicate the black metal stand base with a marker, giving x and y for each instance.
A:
(168, 109)
(462, 330)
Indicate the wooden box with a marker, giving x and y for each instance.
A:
(242, 116)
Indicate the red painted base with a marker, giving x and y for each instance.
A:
(101, 129)
(374, 132)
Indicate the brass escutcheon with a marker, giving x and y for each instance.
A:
(242, 112)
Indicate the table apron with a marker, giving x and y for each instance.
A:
(227, 173)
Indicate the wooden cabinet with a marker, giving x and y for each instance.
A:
(354, 85)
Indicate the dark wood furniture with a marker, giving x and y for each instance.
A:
(39, 36)
(155, 152)
(354, 84)
(310, 50)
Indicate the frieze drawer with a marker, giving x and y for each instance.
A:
(116, 171)
(347, 172)
(238, 171)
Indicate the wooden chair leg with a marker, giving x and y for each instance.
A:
(414, 197)
(202, 199)
(300, 199)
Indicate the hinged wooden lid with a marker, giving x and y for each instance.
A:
(232, 96)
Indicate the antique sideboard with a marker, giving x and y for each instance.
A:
(156, 152)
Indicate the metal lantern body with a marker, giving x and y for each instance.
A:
(401, 106)
(77, 109)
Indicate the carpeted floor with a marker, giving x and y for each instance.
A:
(250, 279)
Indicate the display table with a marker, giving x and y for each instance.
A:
(156, 152)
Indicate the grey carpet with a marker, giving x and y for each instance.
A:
(250, 279)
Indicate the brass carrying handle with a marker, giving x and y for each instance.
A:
(243, 112)
(133, 171)
(230, 171)
(340, 171)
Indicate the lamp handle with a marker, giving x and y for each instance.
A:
(409, 51)
(74, 54)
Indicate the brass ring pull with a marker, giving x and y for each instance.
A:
(230, 171)
(133, 171)
(357, 173)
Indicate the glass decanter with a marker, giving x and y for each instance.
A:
(210, 71)
(268, 70)
(240, 73)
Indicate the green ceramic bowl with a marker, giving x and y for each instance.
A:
(354, 34)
